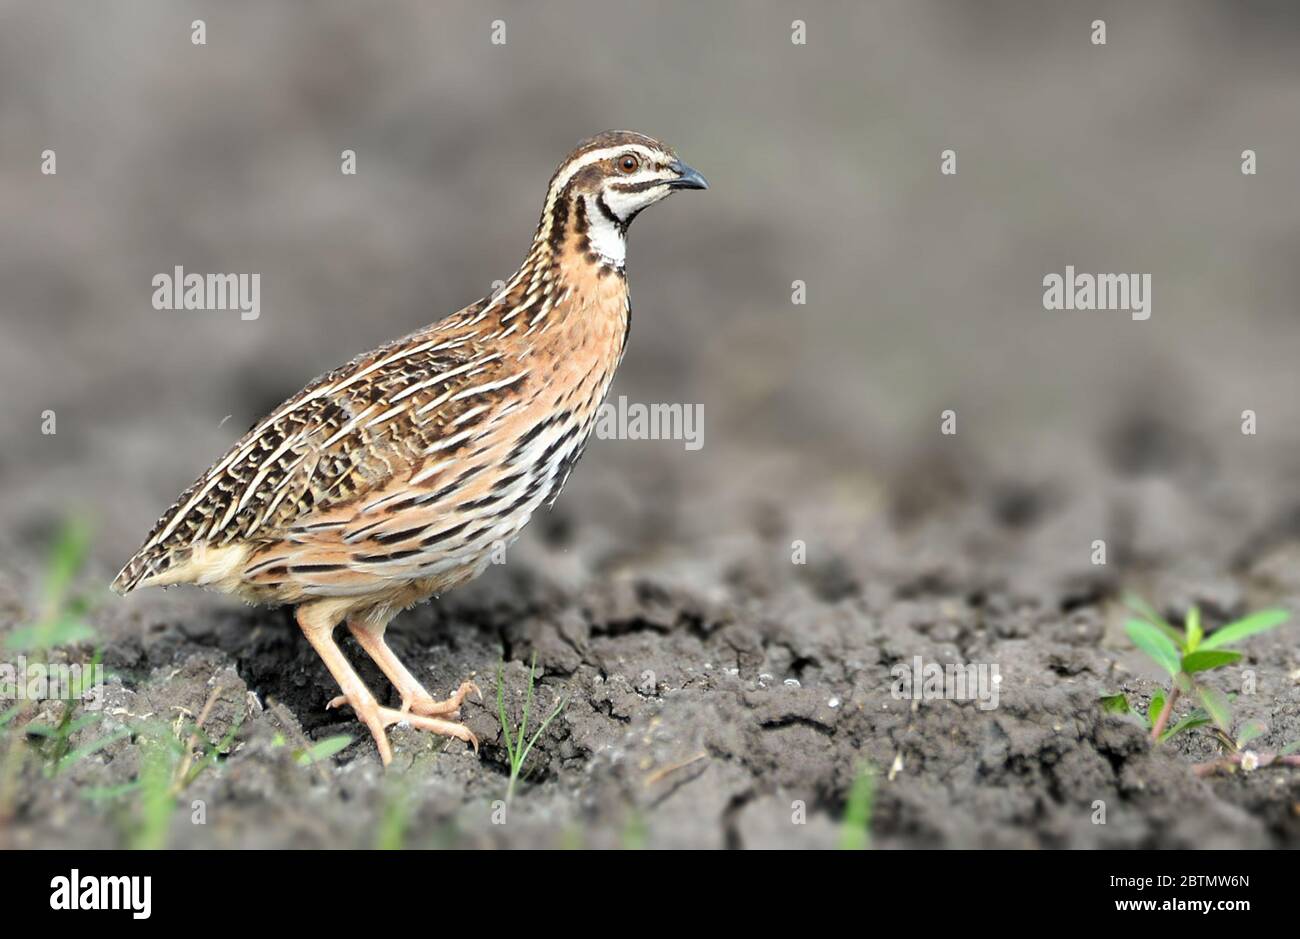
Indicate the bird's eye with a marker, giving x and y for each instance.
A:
(628, 163)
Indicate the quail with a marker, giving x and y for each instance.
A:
(396, 476)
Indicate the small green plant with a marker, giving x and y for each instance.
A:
(1246, 760)
(172, 756)
(155, 796)
(855, 829)
(1185, 654)
(60, 621)
(394, 815)
(634, 833)
(56, 740)
(322, 750)
(517, 749)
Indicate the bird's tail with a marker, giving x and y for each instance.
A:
(129, 577)
(146, 565)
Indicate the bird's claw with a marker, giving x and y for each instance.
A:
(422, 703)
(389, 716)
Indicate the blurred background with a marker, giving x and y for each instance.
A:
(924, 291)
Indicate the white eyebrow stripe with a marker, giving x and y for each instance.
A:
(595, 156)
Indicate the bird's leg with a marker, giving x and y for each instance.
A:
(320, 633)
(419, 708)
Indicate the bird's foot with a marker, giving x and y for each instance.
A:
(434, 725)
(377, 719)
(418, 701)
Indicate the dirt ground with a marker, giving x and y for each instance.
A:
(722, 623)
(710, 690)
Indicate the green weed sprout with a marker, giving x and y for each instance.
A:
(172, 757)
(1185, 654)
(1246, 760)
(61, 619)
(394, 815)
(517, 750)
(322, 750)
(855, 829)
(60, 622)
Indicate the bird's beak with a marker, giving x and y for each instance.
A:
(687, 178)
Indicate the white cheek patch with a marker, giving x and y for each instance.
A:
(626, 204)
(604, 235)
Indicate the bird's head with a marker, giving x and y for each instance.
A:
(605, 183)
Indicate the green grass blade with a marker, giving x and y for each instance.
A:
(57, 632)
(394, 819)
(554, 714)
(1255, 623)
(323, 750)
(93, 747)
(1250, 731)
(83, 721)
(633, 835)
(528, 702)
(156, 802)
(66, 557)
(519, 745)
(10, 714)
(854, 830)
(109, 793)
(212, 751)
(501, 713)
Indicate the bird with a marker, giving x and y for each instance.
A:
(396, 477)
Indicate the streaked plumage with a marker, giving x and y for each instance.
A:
(394, 477)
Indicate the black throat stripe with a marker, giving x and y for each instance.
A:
(609, 214)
